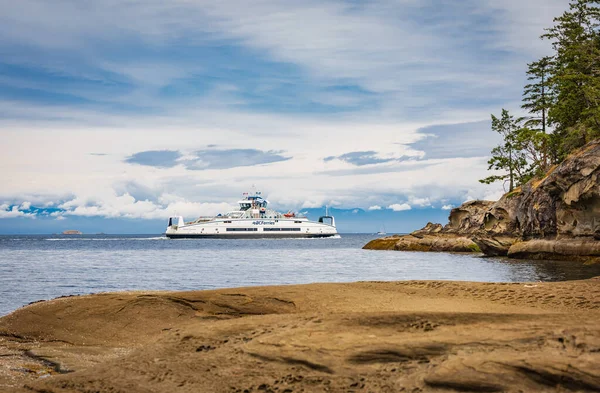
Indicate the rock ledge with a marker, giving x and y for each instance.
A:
(557, 217)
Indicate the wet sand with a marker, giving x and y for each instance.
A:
(368, 336)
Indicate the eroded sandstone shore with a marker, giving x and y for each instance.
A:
(361, 337)
(556, 217)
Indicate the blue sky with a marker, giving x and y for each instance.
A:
(136, 110)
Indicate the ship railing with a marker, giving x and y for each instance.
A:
(201, 219)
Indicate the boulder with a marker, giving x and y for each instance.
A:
(467, 218)
(493, 245)
(584, 249)
(443, 242)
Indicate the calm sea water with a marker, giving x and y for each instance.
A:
(44, 267)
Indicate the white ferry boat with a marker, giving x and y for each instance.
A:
(252, 220)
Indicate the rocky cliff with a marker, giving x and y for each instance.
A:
(554, 217)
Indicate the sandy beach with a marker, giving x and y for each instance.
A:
(359, 337)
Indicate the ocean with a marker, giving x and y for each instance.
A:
(43, 267)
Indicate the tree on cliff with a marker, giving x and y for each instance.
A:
(575, 79)
(562, 97)
(538, 98)
(509, 156)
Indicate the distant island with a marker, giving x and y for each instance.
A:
(72, 232)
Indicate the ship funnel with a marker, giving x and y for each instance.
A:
(175, 222)
(329, 220)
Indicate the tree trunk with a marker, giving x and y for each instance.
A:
(510, 166)
(545, 144)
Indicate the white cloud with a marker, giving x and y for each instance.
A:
(399, 207)
(422, 202)
(12, 212)
(100, 185)
(126, 206)
(375, 46)
(447, 207)
(400, 67)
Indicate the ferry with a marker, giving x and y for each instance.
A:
(253, 220)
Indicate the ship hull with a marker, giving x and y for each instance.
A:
(249, 236)
(223, 227)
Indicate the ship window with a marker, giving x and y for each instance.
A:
(227, 222)
(297, 222)
(242, 229)
(271, 229)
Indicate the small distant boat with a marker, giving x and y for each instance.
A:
(382, 231)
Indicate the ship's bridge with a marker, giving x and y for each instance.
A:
(253, 201)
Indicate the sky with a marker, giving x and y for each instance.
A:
(116, 114)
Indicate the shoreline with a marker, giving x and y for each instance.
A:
(362, 336)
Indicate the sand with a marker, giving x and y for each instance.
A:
(360, 337)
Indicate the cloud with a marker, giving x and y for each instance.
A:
(207, 158)
(232, 158)
(7, 211)
(155, 158)
(422, 202)
(399, 207)
(359, 158)
(447, 207)
(126, 206)
(474, 139)
(375, 207)
(404, 90)
(310, 56)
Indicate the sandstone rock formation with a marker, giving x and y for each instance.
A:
(557, 217)
(411, 336)
(464, 221)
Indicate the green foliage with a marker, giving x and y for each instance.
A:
(562, 98)
(538, 98)
(534, 146)
(576, 75)
(474, 248)
(538, 95)
(509, 156)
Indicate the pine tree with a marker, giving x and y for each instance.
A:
(562, 97)
(508, 156)
(538, 98)
(537, 95)
(576, 74)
